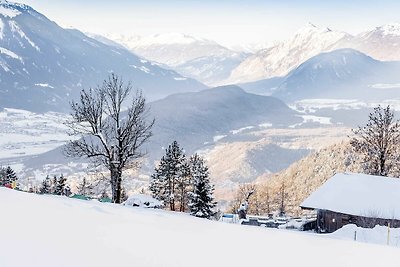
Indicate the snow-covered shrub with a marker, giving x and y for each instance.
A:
(143, 201)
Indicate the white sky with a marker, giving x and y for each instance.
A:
(227, 22)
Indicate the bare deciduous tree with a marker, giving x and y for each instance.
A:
(378, 143)
(110, 136)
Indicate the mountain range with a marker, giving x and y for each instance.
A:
(381, 43)
(49, 65)
(213, 64)
(342, 73)
(198, 58)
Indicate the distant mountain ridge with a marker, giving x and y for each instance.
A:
(43, 66)
(342, 73)
(381, 43)
(198, 58)
(279, 59)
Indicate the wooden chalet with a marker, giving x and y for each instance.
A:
(360, 199)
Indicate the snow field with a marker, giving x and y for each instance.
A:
(57, 231)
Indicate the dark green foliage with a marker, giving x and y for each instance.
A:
(201, 198)
(168, 175)
(46, 187)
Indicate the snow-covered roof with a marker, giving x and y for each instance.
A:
(358, 194)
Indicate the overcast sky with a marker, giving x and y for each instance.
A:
(228, 22)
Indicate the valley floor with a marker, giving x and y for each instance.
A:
(46, 230)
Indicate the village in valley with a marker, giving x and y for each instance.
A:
(125, 140)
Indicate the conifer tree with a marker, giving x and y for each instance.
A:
(60, 184)
(46, 186)
(183, 186)
(85, 187)
(10, 176)
(2, 176)
(201, 202)
(53, 189)
(167, 174)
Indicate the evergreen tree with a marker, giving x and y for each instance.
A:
(53, 189)
(201, 199)
(2, 176)
(60, 184)
(183, 186)
(124, 195)
(167, 174)
(10, 176)
(157, 181)
(46, 186)
(85, 188)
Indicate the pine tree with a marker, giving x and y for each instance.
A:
(167, 174)
(46, 186)
(85, 188)
(201, 202)
(53, 189)
(183, 186)
(10, 176)
(60, 183)
(157, 181)
(2, 176)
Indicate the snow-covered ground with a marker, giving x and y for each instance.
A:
(24, 133)
(56, 231)
(378, 235)
(313, 105)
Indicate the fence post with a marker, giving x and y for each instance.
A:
(355, 235)
(388, 234)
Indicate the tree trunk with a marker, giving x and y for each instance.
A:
(116, 187)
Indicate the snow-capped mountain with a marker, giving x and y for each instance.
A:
(382, 43)
(279, 59)
(343, 73)
(199, 58)
(43, 66)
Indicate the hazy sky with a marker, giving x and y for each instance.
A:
(227, 22)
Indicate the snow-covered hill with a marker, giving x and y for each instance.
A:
(342, 73)
(199, 58)
(50, 230)
(281, 58)
(42, 65)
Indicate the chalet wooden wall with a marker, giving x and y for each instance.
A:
(329, 221)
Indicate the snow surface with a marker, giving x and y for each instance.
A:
(358, 194)
(8, 11)
(143, 201)
(24, 133)
(50, 231)
(390, 29)
(377, 235)
(10, 53)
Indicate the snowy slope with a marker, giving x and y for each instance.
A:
(381, 43)
(341, 73)
(49, 231)
(48, 65)
(198, 58)
(279, 59)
